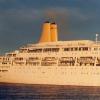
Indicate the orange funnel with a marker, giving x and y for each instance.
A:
(45, 37)
(54, 33)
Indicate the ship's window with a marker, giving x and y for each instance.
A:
(46, 63)
(51, 49)
(71, 49)
(35, 50)
(55, 49)
(86, 48)
(5, 59)
(33, 58)
(49, 58)
(19, 58)
(4, 62)
(19, 63)
(75, 49)
(30, 51)
(23, 50)
(80, 49)
(8, 59)
(83, 48)
(14, 55)
(95, 49)
(38, 50)
(4, 70)
(10, 55)
(66, 49)
(47, 50)
(86, 61)
(33, 63)
(65, 61)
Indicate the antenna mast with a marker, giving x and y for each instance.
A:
(96, 38)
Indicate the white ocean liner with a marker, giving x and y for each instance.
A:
(53, 62)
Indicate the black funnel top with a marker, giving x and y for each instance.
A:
(53, 23)
(46, 22)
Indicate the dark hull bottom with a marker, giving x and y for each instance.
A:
(48, 92)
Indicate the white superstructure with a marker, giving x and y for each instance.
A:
(54, 62)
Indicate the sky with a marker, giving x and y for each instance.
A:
(21, 20)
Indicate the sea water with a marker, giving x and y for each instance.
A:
(47, 92)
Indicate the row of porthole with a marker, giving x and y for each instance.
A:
(90, 73)
(3, 70)
(44, 72)
(74, 53)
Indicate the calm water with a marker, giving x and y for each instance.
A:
(47, 92)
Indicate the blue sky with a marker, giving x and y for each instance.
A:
(21, 20)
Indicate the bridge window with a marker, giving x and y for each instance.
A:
(55, 49)
(47, 49)
(51, 49)
(35, 50)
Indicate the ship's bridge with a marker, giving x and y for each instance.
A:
(75, 43)
(63, 43)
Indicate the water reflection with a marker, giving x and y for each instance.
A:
(47, 92)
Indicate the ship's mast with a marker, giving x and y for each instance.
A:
(96, 37)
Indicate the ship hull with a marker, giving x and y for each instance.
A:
(53, 75)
